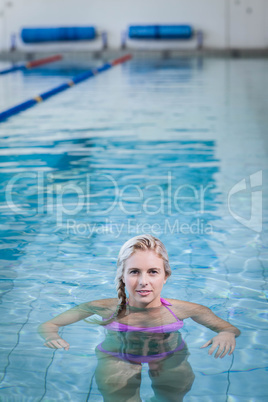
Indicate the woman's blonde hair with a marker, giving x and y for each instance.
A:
(137, 243)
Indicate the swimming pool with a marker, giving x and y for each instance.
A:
(150, 146)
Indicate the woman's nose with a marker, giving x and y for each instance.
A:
(143, 280)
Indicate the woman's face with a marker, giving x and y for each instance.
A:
(144, 277)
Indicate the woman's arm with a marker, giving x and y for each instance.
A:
(203, 315)
(227, 332)
(49, 329)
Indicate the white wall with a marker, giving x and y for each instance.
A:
(248, 23)
(226, 23)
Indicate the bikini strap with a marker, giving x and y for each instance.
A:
(112, 315)
(166, 304)
(106, 319)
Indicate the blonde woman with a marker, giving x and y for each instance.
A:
(143, 328)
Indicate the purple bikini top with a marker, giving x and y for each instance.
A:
(175, 326)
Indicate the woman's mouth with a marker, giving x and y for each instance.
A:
(144, 292)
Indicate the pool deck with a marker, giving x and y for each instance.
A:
(18, 55)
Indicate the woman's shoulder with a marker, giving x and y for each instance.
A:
(104, 302)
(185, 309)
(102, 307)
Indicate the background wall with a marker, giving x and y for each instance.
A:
(226, 23)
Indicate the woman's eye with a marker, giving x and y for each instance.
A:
(135, 271)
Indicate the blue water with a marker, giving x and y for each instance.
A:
(150, 146)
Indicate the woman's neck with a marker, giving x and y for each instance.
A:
(149, 306)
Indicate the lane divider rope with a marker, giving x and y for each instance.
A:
(32, 64)
(75, 80)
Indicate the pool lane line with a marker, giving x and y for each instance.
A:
(75, 80)
(32, 64)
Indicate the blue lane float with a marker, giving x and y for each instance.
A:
(18, 67)
(75, 80)
(57, 34)
(160, 32)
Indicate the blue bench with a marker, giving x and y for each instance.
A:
(161, 32)
(61, 34)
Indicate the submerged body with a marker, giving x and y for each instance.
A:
(144, 336)
(146, 343)
(143, 328)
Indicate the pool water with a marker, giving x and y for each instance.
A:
(176, 148)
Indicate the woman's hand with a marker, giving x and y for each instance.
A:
(224, 340)
(57, 343)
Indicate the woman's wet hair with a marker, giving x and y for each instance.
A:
(138, 243)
